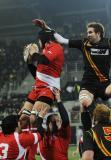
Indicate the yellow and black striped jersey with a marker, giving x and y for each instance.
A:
(96, 58)
(98, 139)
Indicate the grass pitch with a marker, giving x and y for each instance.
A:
(70, 157)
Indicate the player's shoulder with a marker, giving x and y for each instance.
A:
(55, 44)
(25, 136)
(56, 47)
(98, 129)
(1, 133)
(106, 41)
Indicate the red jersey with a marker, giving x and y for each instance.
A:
(48, 76)
(55, 54)
(14, 146)
(55, 147)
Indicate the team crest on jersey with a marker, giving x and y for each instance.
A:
(102, 52)
(49, 52)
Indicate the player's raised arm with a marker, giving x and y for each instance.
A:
(42, 24)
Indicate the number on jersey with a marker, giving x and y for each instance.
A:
(3, 150)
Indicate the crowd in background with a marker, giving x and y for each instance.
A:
(13, 69)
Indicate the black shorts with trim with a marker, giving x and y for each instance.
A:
(42, 99)
(96, 88)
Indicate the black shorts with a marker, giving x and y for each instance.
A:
(96, 88)
(44, 99)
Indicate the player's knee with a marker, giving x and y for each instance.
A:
(25, 114)
(108, 90)
(85, 100)
(24, 118)
(33, 117)
(24, 121)
(38, 106)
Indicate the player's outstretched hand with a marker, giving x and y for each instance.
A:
(41, 23)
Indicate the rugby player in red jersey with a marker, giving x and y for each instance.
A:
(13, 145)
(47, 74)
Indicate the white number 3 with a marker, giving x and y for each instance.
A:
(3, 150)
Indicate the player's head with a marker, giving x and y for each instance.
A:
(45, 36)
(101, 113)
(9, 124)
(95, 31)
(53, 122)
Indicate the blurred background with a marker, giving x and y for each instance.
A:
(67, 17)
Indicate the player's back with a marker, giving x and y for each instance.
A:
(102, 141)
(55, 54)
(9, 148)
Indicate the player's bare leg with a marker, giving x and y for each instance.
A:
(38, 106)
(86, 99)
(25, 114)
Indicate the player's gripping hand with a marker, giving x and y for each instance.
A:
(29, 50)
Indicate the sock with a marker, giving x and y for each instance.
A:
(86, 120)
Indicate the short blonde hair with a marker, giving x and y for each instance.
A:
(101, 113)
